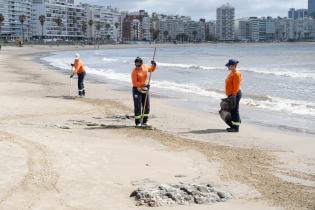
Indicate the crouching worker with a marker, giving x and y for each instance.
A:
(233, 89)
(78, 69)
(140, 91)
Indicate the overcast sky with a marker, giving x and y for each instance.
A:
(205, 8)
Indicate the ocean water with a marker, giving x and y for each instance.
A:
(278, 86)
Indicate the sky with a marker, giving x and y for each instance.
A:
(205, 8)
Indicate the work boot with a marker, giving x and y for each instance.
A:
(232, 130)
(146, 124)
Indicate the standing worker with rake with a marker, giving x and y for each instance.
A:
(141, 77)
(140, 91)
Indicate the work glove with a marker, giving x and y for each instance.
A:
(72, 64)
(71, 75)
(153, 63)
(147, 86)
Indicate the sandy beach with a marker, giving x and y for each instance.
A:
(63, 152)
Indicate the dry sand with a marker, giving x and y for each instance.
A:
(61, 152)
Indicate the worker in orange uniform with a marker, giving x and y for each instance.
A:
(140, 80)
(78, 69)
(233, 89)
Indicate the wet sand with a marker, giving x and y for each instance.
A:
(63, 152)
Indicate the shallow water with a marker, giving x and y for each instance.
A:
(278, 87)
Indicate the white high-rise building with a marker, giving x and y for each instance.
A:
(305, 29)
(180, 28)
(117, 21)
(254, 28)
(291, 29)
(195, 30)
(270, 28)
(63, 19)
(12, 10)
(242, 29)
(262, 29)
(103, 22)
(147, 31)
(137, 26)
(225, 23)
(282, 28)
(4, 11)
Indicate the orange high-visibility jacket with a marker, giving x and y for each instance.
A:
(233, 83)
(140, 76)
(78, 66)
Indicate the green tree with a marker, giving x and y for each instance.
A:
(84, 28)
(107, 26)
(59, 23)
(42, 20)
(116, 26)
(22, 19)
(98, 28)
(1, 22)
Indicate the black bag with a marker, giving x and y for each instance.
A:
(227, 105)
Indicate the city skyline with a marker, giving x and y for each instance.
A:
(67, 19)
(207, 9)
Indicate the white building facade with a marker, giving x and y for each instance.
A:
(225, 23)
(63, 19)
(13, 27)
(4, 11)
(103, 22)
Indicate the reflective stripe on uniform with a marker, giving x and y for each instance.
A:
(138, 117)
(236, 123)
(146, 115)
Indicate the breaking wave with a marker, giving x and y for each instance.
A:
(290, 106)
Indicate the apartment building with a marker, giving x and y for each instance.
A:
(103, 22)
(4, 11)
(17, 15)
(210, 30)
(137, 27)
(172, 27)
(242, 29)
(63, 19)
(225, 23)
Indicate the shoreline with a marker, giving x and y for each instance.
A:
(251, 157)
(296, 132)
(264, 125)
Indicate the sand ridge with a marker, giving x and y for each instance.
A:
(60, 135)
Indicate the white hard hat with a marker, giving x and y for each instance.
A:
(77, 56)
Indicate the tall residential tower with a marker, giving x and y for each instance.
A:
(225, 23)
